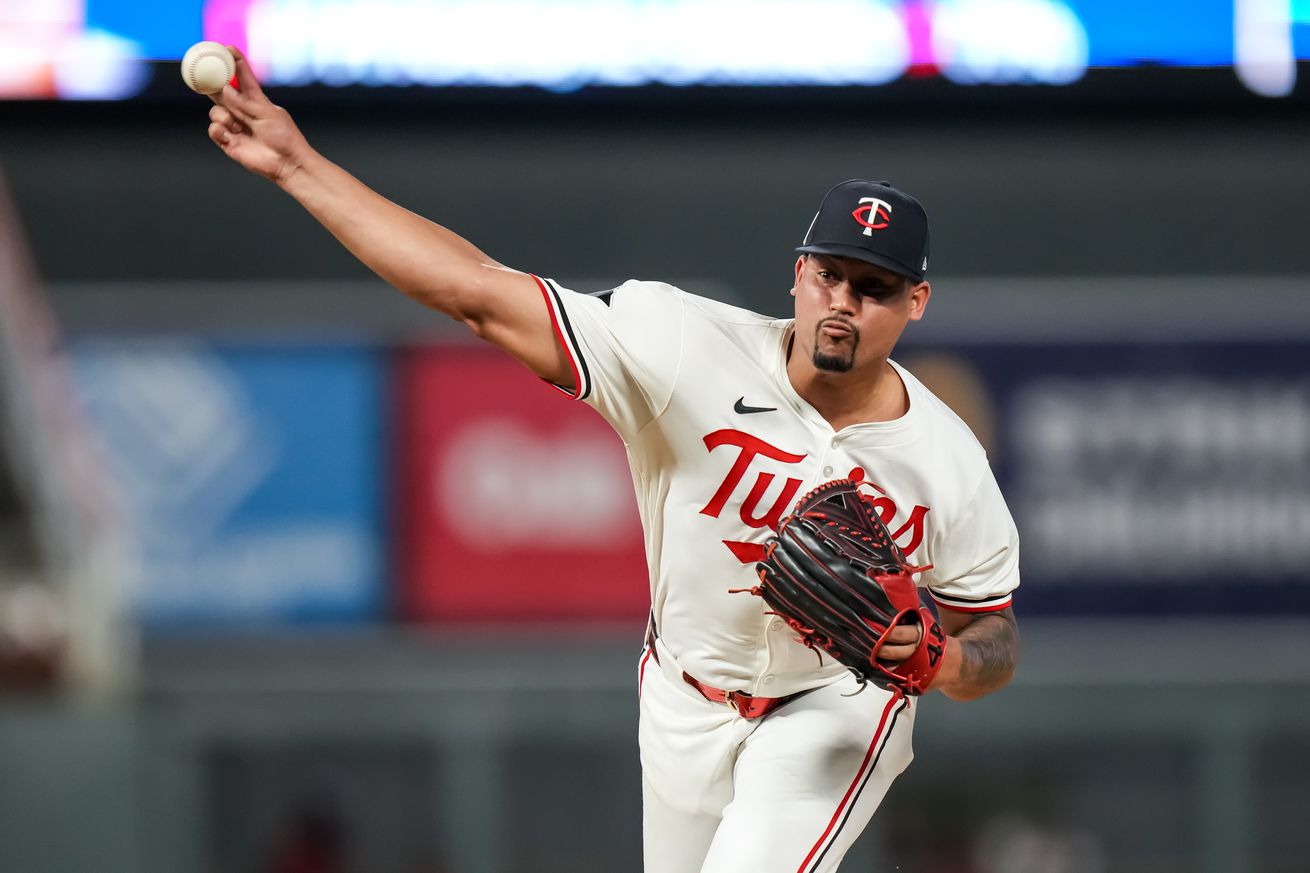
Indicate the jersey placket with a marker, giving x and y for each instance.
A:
(779, 647)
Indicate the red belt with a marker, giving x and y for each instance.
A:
(746, 705)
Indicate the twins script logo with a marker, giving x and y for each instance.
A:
(749, 448)
(873, 213)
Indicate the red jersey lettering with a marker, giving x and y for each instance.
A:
(750, 447)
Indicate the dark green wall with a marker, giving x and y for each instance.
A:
(140, 193)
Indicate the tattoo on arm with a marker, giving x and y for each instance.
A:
(990, 649)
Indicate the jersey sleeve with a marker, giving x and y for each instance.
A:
(976, 568)
(624, 347)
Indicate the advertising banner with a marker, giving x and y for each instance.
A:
(1146, 478)
(1153, 478)
(514, 502)
(248, 476)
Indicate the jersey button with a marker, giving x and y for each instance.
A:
(827, 471)
(776, 624)
(768, 680)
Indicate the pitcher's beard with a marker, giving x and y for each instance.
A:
(834, 362)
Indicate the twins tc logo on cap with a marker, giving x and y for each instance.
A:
(873, 213)
(900, 246)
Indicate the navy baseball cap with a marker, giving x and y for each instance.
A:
(874, 222)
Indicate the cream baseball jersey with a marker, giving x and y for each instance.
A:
(721, 446)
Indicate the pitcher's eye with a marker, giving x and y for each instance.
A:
(878, 290)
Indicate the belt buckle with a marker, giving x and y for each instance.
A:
(736, 701)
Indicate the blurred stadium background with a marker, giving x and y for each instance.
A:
(242, 626)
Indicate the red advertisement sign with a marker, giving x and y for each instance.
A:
(515, 503)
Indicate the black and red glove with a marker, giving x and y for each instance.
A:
(836, 577)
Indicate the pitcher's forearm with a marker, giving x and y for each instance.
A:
(419, 257)
(424, 260)
(980, 658)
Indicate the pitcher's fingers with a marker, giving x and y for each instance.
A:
(895, 653)
(219, 134)
(243, 108)
(222, 116)
(246, 80)
(906, 635)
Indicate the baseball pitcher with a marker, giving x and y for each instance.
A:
(798, 490)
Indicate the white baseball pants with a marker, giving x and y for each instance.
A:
(786, 793)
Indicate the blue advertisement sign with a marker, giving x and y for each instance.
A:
(249, 476)
(1162, 478)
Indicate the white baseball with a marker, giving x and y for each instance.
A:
(207, 66)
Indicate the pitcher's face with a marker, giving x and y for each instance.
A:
(850, 313)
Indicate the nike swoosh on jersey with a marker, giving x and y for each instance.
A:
(741, 408)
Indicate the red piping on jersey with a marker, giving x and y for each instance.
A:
(559, 337)
(641, 673)
(995, 607)
(896, 698)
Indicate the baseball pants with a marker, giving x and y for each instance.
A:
(786, 793)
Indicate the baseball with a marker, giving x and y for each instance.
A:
(207, 66)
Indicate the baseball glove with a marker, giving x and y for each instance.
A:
(836, 577)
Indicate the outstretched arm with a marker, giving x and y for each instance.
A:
(424, 260)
